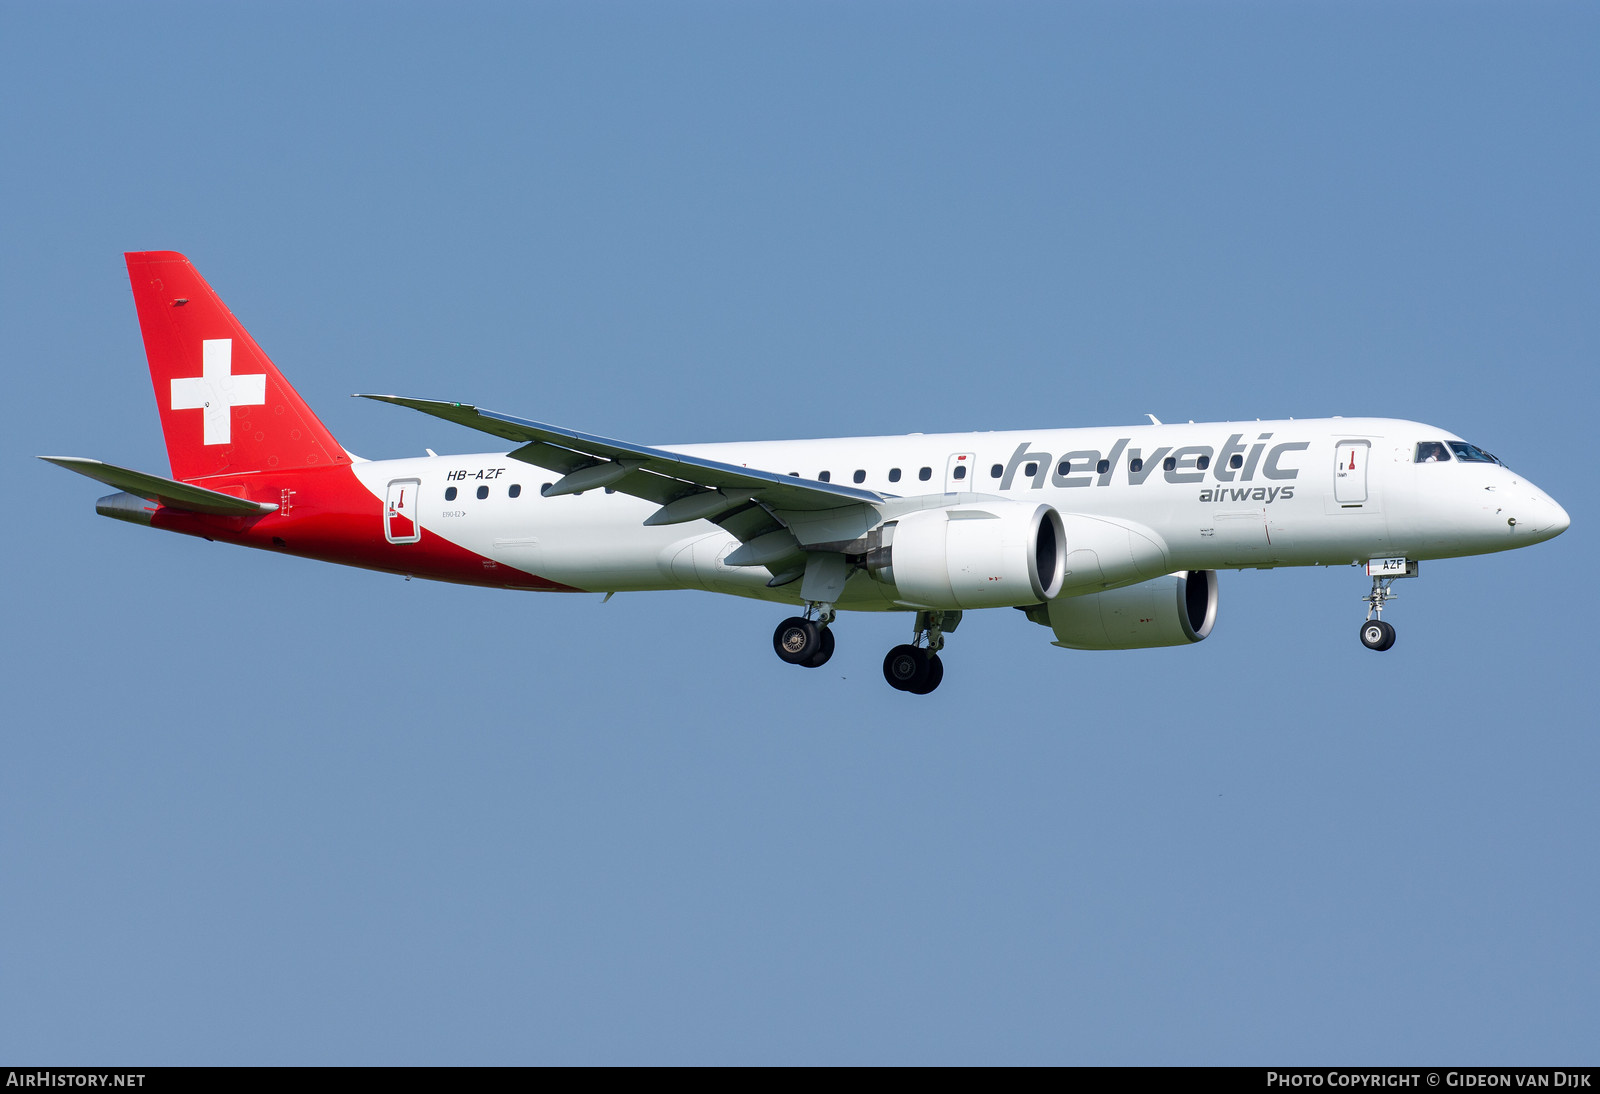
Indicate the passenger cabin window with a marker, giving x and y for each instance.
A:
(1169, 464)
(824, 476)
(449, 493)
(544, 488)
(1236, 461)
(1103, 466)
(483, 492)
(960, 472)
(1064, 467)
(1203, 462)
(1031, 470)
(1135, 465)
(860, 476)
(516, 490)
(925, 474)
(1470, 453)
(794, 474)
(1432, 452)
(894, 474)
(996, 471)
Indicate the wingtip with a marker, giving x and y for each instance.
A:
(427, 406)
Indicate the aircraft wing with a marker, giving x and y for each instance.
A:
(176, 495)
(755, 506)
(651, 473)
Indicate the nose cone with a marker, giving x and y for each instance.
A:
(1558, 520)
(1549, 520)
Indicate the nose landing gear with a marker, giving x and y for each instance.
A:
(1375, 633)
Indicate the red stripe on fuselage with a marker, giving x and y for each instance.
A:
(325, 513)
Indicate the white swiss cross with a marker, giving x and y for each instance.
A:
(217, 391)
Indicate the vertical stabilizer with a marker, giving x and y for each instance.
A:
(225, 408)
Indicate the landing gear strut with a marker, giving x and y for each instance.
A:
(1375, 633)
(915, 667)
(806, 641)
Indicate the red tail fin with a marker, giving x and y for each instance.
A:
(225, 408)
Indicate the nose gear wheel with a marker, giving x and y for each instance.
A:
(1377, 635)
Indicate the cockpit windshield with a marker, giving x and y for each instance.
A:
(1471, 453)
(1439, 452)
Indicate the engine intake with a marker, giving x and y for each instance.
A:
(984, 554)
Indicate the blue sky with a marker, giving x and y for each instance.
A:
(261, 810)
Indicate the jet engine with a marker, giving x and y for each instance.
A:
(1173, 610)
(1103, 552)
(980, 554)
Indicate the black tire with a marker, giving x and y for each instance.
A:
(935, 674)
(1377, 635)
(1388, 638)
(824, 650)
(905, 667)
(796, 640)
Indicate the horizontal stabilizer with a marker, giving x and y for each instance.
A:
(175, 495)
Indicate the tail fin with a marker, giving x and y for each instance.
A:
(225, 408)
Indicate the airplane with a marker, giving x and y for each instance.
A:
(1110, 537)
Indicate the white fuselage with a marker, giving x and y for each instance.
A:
(1314, 492)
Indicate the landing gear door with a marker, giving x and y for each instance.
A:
(1350, 473)
(400, 524)
(958, 473)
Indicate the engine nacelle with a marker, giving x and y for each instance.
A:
(980, 554)
(1104, 552)
(1174, 610)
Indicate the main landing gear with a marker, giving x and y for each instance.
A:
(807, 640)
(1375, 633)
(804, 641)
(914, 667)
(908, 668)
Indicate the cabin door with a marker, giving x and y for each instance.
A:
(1350, 473)
(400, 524)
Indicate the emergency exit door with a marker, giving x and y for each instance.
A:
(958, 472)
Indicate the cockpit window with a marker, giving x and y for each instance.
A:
(1432, 452)
(1471, 453)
